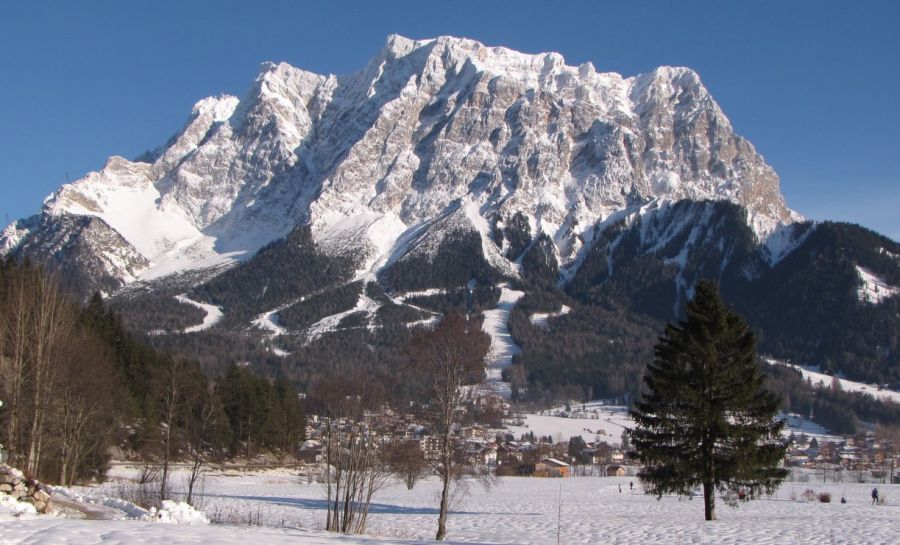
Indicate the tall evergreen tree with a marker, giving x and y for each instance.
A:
(705, 418)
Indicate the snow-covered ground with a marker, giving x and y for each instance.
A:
(799, 425)
(873, 289)
(503, 347)
(592, 421)
(821, 379)
(541, 319)
(584, 510)
(213, 314)
(596, 421)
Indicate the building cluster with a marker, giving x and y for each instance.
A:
(486, 445)
(860, 453)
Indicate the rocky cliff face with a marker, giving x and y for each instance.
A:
(429, 134)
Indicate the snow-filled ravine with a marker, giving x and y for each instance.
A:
(503, 347)
(522, 510)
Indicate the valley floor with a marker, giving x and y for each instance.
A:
(516, 510)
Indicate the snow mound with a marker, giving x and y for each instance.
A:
(178, 512)
(11, 508)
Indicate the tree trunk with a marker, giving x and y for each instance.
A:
(709, 500)
(445, 503)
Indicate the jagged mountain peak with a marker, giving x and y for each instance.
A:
(427, 124)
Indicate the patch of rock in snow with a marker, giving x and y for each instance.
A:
(503, 347)
(213, 314)
(541, 319)
(873, 289)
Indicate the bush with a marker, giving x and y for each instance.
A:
(825, 497)
(810, 495)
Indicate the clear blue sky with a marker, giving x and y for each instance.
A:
(814, 85)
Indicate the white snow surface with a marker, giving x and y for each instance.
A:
(212, 317)
(517, 510)
(330, 323)
(593, 421)
(267, 321)
(825, 381)
(599, 421)
(503, 347)
(541, 319)
(873, 289)
(11, 508)
(178, 512)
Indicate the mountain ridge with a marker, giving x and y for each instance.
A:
(323, 217)
(423, 124)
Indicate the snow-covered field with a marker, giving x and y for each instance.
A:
(516, 510)
(592, 421)
(595, 421)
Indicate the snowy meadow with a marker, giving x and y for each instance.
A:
(279, 506)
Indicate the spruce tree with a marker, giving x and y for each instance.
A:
(705, 418)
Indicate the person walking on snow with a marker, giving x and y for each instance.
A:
(875, 495)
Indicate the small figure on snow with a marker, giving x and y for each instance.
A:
(843, 499)
(874, 495)
(631, 485)
(620, 488)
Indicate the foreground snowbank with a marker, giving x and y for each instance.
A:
(11, 508)
(178, 512)
(527, 511)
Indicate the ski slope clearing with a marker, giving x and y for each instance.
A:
(330, 323)
(873, 289)
(503, 347)
(825, 381)
(590, 510)
(541, 319)
(213, 314)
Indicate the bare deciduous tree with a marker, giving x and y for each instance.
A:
(206, 417)
(448, 358)
(354, 468)
(170, 379)
(84, 404)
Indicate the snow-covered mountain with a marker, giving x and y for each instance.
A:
(443, 173)
(442, 132)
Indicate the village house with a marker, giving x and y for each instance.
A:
(551, 467)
